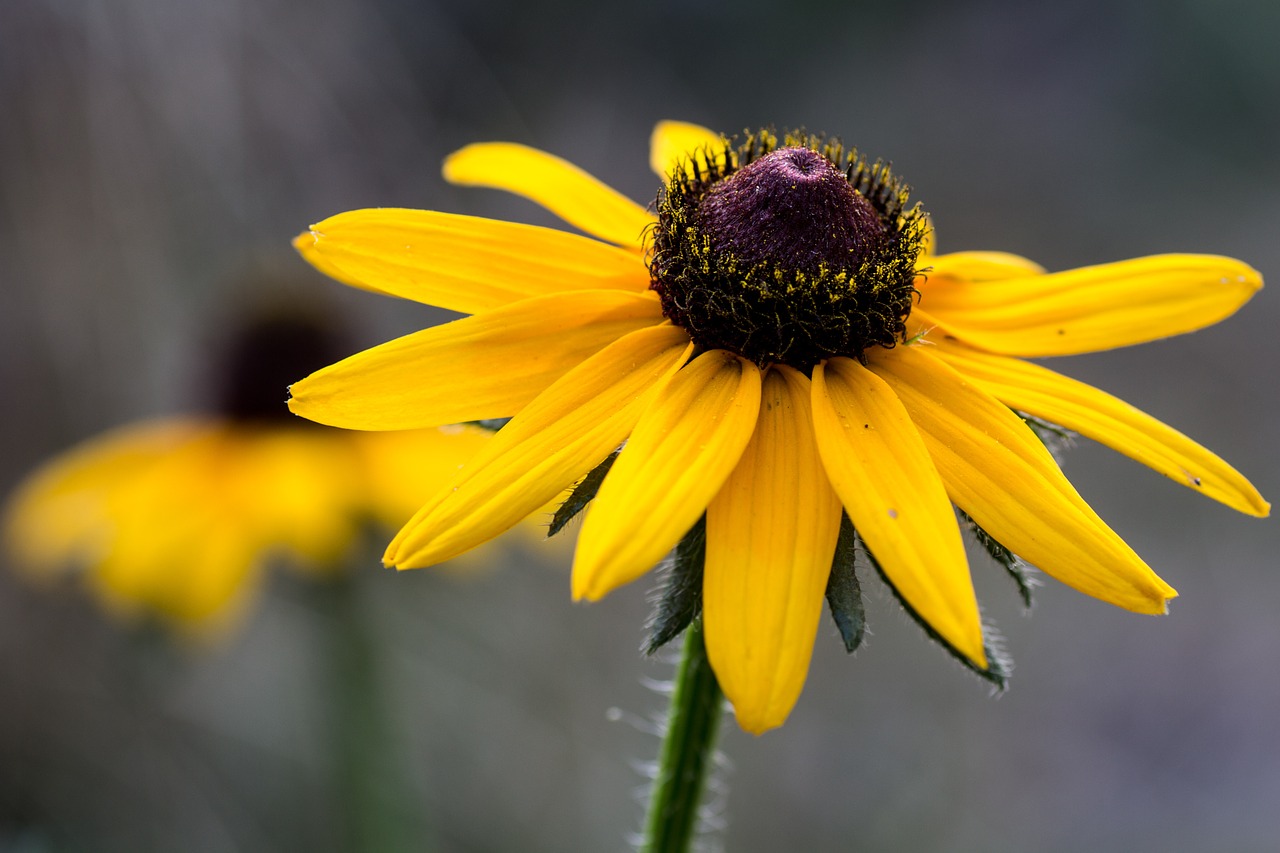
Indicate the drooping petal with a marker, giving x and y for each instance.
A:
(1041, 392)
(486, 366)
(1092, 308)
(980, 266)
(887, 482)
(178, 546)
(302, 490)
(998, 472)
(673, 141)
(463, 263)
(771, 532)
(683, 449)
(561, 187)
(554, 441)
(59, 518)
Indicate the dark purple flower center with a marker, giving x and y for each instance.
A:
(792, 207)
(791, 253)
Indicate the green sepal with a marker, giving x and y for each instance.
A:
(844, 592)
(999, 664)
(1056, 439)
(582, 494)
(491, 424)
(679, 598)
(1023, 573)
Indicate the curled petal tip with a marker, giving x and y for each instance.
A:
(304, 240)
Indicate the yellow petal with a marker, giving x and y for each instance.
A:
(199, 567)
(771, 534)
(59, 517)
(406, 468)
(683, 449)
(981, 266)
(1038, 391)
(674, 141)
(557, 439)
(486, 366)
(1092, 308)
(883, 474)
(210, 595)
(998, 472)
(301, 489)
(557, 185)
(305, 244)
(463, 263)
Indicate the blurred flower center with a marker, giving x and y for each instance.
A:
(264, 357)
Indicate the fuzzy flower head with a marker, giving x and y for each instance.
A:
(177, 518)
(774, 370)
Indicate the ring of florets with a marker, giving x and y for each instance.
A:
(786, 251)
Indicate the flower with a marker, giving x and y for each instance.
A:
(778, 345)
(177, 517)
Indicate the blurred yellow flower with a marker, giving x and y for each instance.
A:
(777, 345)
(178, 517)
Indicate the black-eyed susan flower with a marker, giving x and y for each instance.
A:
(177, 517)
(774, 346)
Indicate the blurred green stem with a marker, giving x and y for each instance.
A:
(371, 786)
(687, 750)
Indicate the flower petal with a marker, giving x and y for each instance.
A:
(406, 468)
(673, 141)
(998, 472)
(1092, 308)
(463, 263)
(60, 517)
(555, 440)
(148, 567)
(683, 449)
(1039, 391)
(303, 491)
(486, 366)
(306, 245)
(883, 474)
(561, 187)
(981, 266)
(771, 533)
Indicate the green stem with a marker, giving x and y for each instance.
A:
(692, 723)
(377, 812)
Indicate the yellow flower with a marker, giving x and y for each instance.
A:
(777, 344)
(177, 517)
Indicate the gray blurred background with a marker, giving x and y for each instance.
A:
(153, 151)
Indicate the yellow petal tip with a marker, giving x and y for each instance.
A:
(581, 592)
(1251, 277)
(756, 727)
(448, 169)
(394, 560)
(304, 241)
